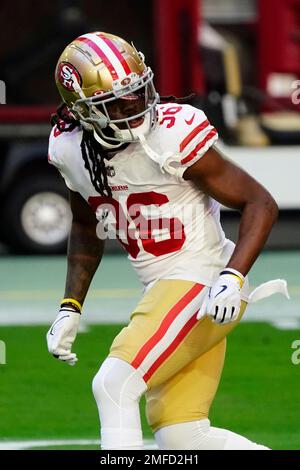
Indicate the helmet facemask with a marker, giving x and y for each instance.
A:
(135, 94)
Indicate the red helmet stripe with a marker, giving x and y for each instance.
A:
(102, 56)
(116, 52)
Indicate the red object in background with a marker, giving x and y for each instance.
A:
(178, 61)
(279, 38)
(25, 114)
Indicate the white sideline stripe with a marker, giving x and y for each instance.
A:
(25, 445)
(108, 52)
(52, 294)
(55, 294)
(117, 305)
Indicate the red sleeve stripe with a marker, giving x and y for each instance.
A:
(193, 134)
(193, 154)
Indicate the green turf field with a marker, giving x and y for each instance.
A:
(42, 399)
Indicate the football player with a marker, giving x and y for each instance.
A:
(148, 171)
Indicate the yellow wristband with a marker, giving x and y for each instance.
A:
(238, 278)
(72, 301)
(235, 273)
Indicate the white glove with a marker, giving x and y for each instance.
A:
(62, 334)
(223, 300)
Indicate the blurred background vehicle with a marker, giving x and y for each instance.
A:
(34, 209)
(241, 58)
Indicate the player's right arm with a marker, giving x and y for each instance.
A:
(85, 251)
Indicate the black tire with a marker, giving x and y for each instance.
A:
(16, 234)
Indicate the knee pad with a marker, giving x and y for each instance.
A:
(117, 383)
(117, 388)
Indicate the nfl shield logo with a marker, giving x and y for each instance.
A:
(110, 171)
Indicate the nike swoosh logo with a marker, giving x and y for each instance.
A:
(51, 331)
(222, 290)
(190, 122)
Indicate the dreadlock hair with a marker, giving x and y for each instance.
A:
(93, 157)
(92, 152)
(180, 100)
(63, 119)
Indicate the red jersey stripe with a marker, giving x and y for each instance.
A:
(117, 53)
(193, 154)
(193, 134)
(102, 56)
(167, 321)
(179, 338)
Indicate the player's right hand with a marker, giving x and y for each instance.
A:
(223, 300)
(62, 334)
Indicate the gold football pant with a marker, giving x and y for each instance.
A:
(180, 358)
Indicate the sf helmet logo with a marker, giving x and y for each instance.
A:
(65, 74)
(126, 81)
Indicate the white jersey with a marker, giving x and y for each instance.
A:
(170, 229)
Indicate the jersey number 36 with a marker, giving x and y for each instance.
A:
(158, 236)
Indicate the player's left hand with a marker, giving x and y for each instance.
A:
(223, 300)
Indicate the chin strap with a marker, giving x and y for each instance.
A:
(133, 135)
(159, 159)
(150, 152)
(104, 143)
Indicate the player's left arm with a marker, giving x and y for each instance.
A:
(233, 187)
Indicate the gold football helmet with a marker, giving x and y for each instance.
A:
(106, 84)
